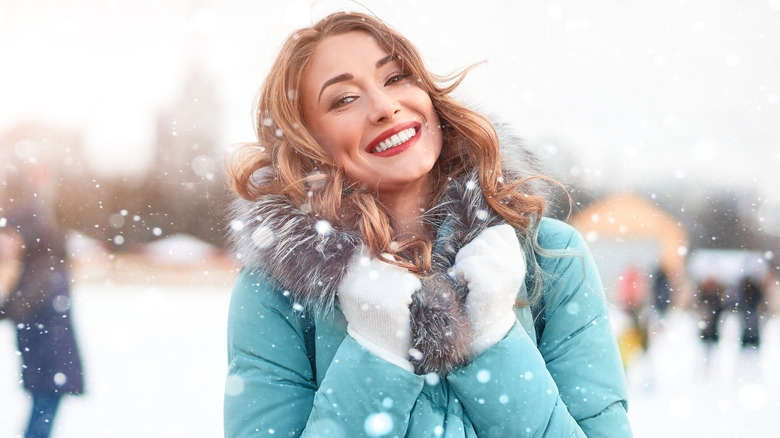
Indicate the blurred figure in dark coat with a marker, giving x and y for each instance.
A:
(662, 292)
(37, 297)
(710, 306)
(751, 305)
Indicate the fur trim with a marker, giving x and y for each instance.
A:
(308, 258)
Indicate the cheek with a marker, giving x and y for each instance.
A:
(322, 132)
(425, 106)
(338, 143)
(322, 141)
(318, 126)
(433, 122)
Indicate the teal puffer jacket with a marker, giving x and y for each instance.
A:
(290, 376)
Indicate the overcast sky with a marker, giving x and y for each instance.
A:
(630, 91)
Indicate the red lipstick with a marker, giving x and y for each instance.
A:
(387, 134)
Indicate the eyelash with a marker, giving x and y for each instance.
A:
(399, 77)
(340, 101)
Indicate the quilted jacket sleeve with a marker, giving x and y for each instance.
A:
(572, 382)
(271, 390)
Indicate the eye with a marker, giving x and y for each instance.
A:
(397, 77)
(342, 100)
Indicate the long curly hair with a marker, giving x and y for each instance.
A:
(287, 160)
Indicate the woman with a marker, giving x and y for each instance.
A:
(38, 293)
(399, 277)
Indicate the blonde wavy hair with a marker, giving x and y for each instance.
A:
(286, 160)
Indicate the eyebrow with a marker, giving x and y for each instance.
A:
(347, 76)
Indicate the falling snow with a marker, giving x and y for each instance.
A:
(323, 227)
(379, 424)
(263, 237)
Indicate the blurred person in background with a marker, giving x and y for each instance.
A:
(662, 292)
(752, 307)
(709, 304)
(37, 288)
(400, 276)
(631, 294)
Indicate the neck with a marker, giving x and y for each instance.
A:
(405, 207)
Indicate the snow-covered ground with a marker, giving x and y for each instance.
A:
(154, 360)
(155, 364)
(675, 392)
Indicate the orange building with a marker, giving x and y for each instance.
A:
(624, 230)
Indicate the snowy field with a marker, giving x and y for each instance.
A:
(155, 363)
(674, 392)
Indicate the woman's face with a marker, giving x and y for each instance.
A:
(370, 115)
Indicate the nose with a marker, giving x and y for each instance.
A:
(383, 108)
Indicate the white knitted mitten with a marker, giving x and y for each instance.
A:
(375, 298)
(493, 267)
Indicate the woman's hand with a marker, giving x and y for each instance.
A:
(493, 267)
(375, 298)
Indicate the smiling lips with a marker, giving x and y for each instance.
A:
(393, 138)
(396, 140)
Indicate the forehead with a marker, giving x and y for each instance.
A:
(343, 53)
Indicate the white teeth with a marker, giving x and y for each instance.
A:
(396, 140)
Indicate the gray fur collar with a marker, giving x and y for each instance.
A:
(308, 257)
